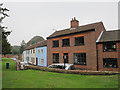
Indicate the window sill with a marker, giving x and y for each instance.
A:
(110, 67)
(55, 62)
(80, 64)
(80, 45)
(55, 47)
(65, 46)
(110, 51)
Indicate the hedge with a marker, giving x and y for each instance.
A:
(81, 72)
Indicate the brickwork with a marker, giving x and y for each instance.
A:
(89, 48)
(102, 55)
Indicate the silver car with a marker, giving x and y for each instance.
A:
(61, 66)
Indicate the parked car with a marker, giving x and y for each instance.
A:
(22, 64)
(61, 66)
(13, 58)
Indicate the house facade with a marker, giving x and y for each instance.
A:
(27, 60)
(24, 56)
(77, 44)
(41, 54)
(31, 54)
(109, 51)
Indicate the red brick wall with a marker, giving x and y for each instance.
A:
(89, 48)
(99, 29)
(12, 56)
(102, 55)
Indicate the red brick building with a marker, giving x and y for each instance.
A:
(80, 45)
(109, 51)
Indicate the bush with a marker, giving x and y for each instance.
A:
(81, 72)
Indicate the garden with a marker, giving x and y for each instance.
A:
(43, 79)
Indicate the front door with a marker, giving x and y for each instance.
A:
(36, 61)
(66, 56)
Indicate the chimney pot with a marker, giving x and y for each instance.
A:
(74, 23)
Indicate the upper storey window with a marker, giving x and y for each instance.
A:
(66, 42)
(79, 41)
(56, 43)
(109, 47)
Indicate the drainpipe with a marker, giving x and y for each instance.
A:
(97, 47)
(97, 57)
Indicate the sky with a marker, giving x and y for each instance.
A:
(29, 19)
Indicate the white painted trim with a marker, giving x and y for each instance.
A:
(99, 37)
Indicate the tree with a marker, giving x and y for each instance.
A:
(6, 47)
(23, 46)
(15, 49)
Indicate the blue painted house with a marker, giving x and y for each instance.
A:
(41, 53)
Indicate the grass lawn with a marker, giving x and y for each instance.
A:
(41, 79)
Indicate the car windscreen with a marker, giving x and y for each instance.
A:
(56, 66)
(72, 67)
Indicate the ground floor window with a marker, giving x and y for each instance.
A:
(110, 63)
(55, 57)
(39, 61)
(32, 60)
(42, 61)
(27, 59)
(80, 58)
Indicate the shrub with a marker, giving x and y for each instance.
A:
(81, 72)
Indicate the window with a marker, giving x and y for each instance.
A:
(39, 61)
(80, 58)
(38, 51)
(66, 42)
(42, 61)
(110, 63)
(56, 43)
(79, 41)
(109, 47)
(41, 50)
(28, 52)
(33, 50)
(56, 58)
(27, 59)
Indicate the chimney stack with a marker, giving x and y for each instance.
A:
(74, 23)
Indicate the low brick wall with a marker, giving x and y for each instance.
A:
(12, 56)
(81, 72)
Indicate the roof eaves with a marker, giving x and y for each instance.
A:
(72, 33)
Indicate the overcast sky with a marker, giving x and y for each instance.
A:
(28, 19)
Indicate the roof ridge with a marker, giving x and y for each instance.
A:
(82, 25)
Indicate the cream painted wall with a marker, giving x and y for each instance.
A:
(33, 55)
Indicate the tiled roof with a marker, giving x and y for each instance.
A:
(110, 36)
(40, 44)
(82, 28)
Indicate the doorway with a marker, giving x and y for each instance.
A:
(36, 61)
(66, 56)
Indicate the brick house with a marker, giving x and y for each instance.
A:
(109, 51)
(77, 43)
